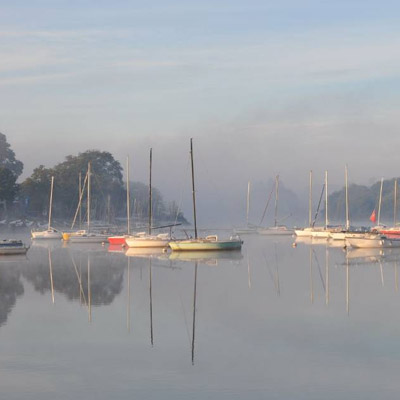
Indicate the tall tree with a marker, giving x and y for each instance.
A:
(7, 157)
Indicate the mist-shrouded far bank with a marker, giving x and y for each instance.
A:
(219, 202)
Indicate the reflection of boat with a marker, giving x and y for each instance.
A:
(373, 240)
(116, 248)
(210, 242)
(371, 254)
(310, 240)
(47, 244)
(12, 247)
(15, 258)
(144, 251)
(206, 256)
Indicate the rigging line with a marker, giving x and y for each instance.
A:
(319, 270)
(182, 189)
(80, 202)
(266, 206)
(319, 205)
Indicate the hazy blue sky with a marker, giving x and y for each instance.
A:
(262, 86)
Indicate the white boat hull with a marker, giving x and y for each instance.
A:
(49, 234)
(306, 232)
(147, 241)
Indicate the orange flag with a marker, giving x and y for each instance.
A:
(373, 217)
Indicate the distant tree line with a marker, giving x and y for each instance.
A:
(30, 199)
(362, 201)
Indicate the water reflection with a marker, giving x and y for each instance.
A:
(60, 269)
(11, 286)
(250, 315)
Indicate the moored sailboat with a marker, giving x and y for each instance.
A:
(143, 239)
(210, 242)
(86, 236)
(276, 229)
(50, 232)
(120, 239)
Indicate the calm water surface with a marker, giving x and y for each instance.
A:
(272, 321)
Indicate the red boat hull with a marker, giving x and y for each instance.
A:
(116, 240)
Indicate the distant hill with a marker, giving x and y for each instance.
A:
(362, 201)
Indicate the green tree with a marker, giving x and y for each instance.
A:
(7, 157)
(8, 187)
(36, 190)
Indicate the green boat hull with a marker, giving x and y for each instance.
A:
(205, 245)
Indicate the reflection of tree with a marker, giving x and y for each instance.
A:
(10, 288)
(106, 276)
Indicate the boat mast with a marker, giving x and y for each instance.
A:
(347, 198)
(248, 203)
(380, 203)
(310, 202)
(395, 203)
(193, 189)
(326, 200)
(150, 193)
(51, 201)
(80, 197)
(276, 199)
(128, 210)
(88, 198)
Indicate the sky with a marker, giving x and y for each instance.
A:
(263, 87)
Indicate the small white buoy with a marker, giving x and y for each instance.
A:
(294, 244)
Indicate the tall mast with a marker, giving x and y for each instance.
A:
(380, 203)
(88, 198)
(193, 190)
(51, 201)
(310, 202)
(128, 205)
(347, 198)
(326, 200)
(248, 203)
(150, 193)
(395, 203)
(80, 197)
(276, 199)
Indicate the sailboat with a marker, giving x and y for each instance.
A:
(306, 232)
(120, 240)
(347, 232)
(276, 229)
(248, 229)
(143, 239)
(326, 231)
(393, 231)
(87, 236)
(210, 242)
(49, 233)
